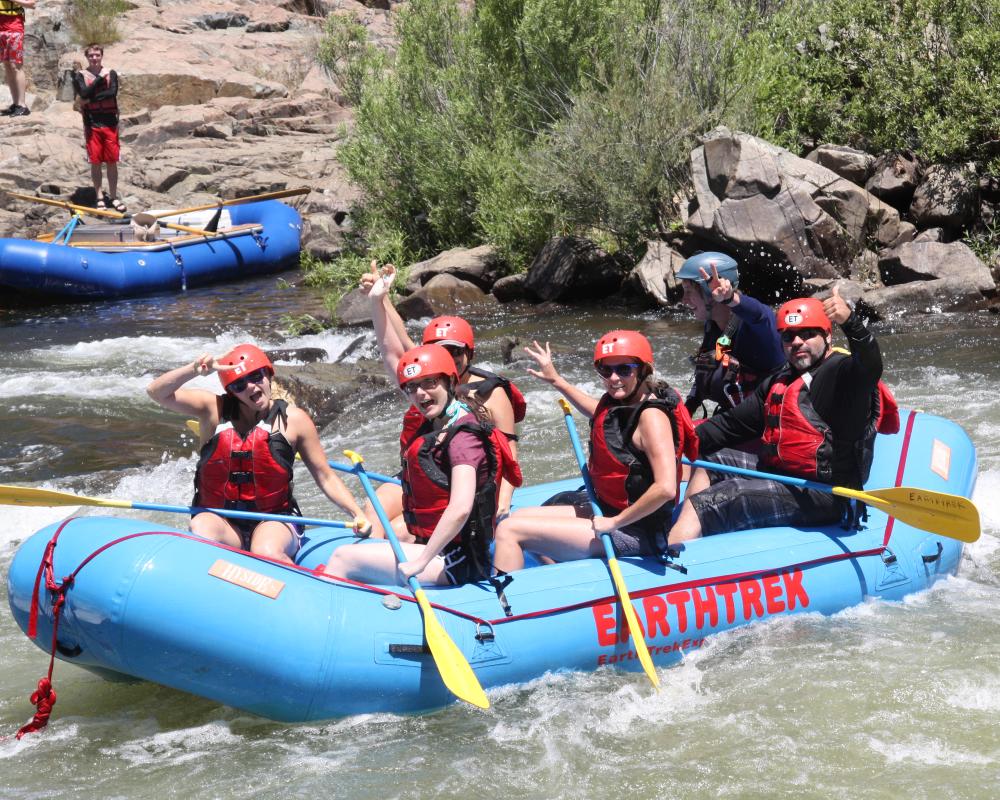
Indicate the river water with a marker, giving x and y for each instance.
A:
(885, 700)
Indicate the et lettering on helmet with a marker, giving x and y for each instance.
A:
(608, 349)
(440, 333)
(793, 318)
(412, 370)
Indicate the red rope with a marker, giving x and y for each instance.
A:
(900, 469)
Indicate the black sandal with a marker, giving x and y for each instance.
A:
(118, 205)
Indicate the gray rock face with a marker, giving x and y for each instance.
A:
(479, 265)
(947, 197)
(931, 261)
(570, 268)
(894, 178)
(443, 294)
(755, 198)
(654, 274)
(853, 165)
(327, 390)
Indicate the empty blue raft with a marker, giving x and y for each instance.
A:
(288, 644)
(264, 237)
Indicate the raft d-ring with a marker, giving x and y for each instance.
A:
(888, 557)
(928, 553)
(484, 636)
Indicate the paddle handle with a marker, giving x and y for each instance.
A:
(397, 549)
(802, 483)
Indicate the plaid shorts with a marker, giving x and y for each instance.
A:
(12, 46)
(736, 503)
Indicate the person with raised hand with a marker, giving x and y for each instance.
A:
(452, 470)
(249, 441)
(740, 346)
(639, 429)
(506, 407)
(817, 419)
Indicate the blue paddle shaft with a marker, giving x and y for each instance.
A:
(397, 548)
(802, 483)
(381, 478)
(256, 515)
(574, 437)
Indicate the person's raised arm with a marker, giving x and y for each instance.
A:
(866, 356)
(166, 391)
(547, 372)
(390, 345)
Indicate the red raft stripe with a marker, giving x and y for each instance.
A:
(900, 469)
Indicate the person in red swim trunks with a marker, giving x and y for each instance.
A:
(97, 88)
(248, 445)
(12, 54)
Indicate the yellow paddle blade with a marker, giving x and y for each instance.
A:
(453, 666)
(633, 623)
(25, 496)
(949, 515)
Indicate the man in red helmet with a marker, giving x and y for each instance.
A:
(817, 419)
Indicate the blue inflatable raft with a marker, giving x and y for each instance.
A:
(106, 261)
(288, 644)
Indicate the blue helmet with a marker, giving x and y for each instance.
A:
(726, 266)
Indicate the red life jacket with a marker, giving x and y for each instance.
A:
(107, 105)
(798, 442)
(427, 485)
(251, 474)
(413, 419)
(620, 472)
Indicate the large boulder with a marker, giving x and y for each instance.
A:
(778, 210)
(932, 261)
(478, 265)
(327, 390)
(654, 274)
(853, 165)
(894, 178)
(947, 197)
(929, 297)
(572, 268)
(443, 294)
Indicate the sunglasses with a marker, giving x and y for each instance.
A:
(427, 384)
(455, 350)
(257, 376)
(805, 333)
(621, 370)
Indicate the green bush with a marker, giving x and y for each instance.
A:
(512, 120)
(95, 21)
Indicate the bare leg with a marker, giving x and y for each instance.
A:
(698, 481)
(553, 531)
(391, 498)
(112, 179)
(687, 527)
(212, 526)
(274, 540)
(375, 562)
(95, 179)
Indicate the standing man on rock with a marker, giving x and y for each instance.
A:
(817, 418)
(97, 88)
(12, 54)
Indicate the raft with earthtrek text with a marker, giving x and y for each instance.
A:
(288, 644)
(108, 260)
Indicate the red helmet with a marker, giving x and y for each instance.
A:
(624, 343)
(805, 312)
(425, 362)
(244, 358)
(450, 330)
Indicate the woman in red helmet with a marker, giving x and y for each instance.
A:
(506, 407)
(639, 429)
(452, 470)
(248, 445)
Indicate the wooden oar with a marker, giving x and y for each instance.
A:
(948, 515)
(195, 428)
(94, 212)
(455, 669)
(146, 219)
(609, 552)
(26, 496)
(235, 202)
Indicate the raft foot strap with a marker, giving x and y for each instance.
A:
(501, 581)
